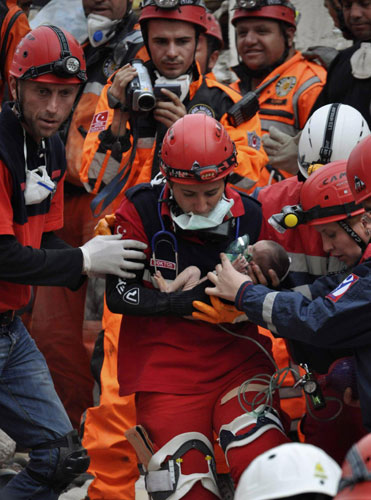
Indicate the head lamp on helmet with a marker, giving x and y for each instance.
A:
(51, 55)
(190, 11)
(197, 148)
(325, 197)
(277, 10)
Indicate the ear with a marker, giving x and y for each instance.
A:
(212, 59)
(290, 32)
(13, 87)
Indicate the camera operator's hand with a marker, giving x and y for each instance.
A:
(170, 110)
(118, 90)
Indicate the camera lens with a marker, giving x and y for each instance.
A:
(146, 102)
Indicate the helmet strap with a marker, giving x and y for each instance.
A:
(350, 231)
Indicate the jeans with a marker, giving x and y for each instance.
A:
(30, 411)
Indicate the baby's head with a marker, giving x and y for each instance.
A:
(267, 255)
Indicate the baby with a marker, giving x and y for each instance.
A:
(265, 253)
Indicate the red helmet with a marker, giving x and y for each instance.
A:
(278, 10)
(355, 482)
(51, 55)
(189, 11)
(326, 196)
(213, 29)
(359, 170)
(197, 148)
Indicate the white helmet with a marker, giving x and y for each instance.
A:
(330, 134)
(287, 470)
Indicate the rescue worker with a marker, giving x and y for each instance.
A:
(14, 26)
(290, 84)
(114, 38)
(184, 22)
(329, 135)
(337, 312)
(46, 73)
(209, 45)
(187, 220)
(108, 153)
(290, 471)
(349, 76)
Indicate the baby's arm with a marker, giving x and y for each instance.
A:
(240, 264)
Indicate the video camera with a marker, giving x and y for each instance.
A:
(140, 94)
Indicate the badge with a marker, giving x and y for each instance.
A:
(164, 264)
(99, 122)
(341, 289)
(284, 85)
(202, 108)
(132, 296)
(109, 67)
(254, 141)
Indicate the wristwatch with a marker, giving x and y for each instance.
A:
(115, 103)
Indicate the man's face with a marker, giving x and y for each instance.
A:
(45, 106)
(199, 198)
(172, 45)
(357, 18)
(113, 9)
(260, 42)
(367, 217)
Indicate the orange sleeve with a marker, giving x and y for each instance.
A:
(19, 29)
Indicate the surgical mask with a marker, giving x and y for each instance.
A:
(38, 183)
(100, 29)
(193, 222)
(183, 80)
(361, 61)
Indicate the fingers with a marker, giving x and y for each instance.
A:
(134, 244)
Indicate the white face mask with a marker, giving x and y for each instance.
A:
(38, 183)
(361, 61)
(183, 80)
(193, 222)
(100, 29)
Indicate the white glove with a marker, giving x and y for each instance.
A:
(282, 150)
(109, 255)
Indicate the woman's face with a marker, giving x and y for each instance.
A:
(339, 244)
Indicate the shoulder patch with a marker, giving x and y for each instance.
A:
(341, 289)
(201, 108)
(253, 140)
(284, 85)
(99, 122)
(125, 229)
(109, 67)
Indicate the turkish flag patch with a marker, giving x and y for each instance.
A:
(99, 122)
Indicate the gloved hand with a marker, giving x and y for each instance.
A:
(111, 254)
(219, 312)
(105, 225)
(321, 54)
(282, 150)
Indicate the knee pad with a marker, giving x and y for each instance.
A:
(164, 480)
(268, 419)
(73, 460)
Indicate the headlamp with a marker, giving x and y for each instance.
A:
(203, 174)
(248, 4)
(171, 4)
(68, 66)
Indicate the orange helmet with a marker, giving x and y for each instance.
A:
(51, 55)
(355, 482)
(359, 170)
(197, 148)
(277, 10)
(326, 196)
(189, 11)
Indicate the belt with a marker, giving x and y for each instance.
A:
(6, 317)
